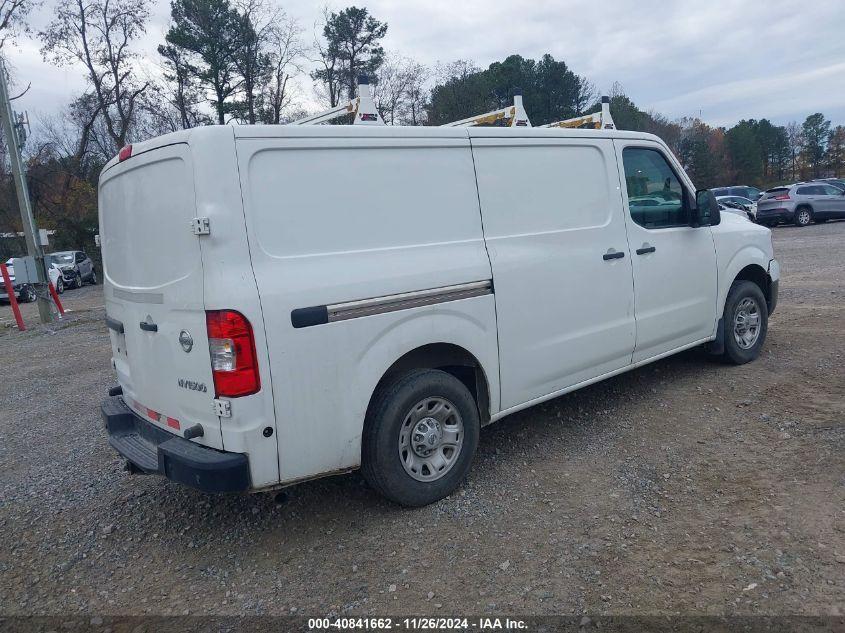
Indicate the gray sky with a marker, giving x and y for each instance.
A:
(724, 59)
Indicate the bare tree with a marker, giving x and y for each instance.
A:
(399, 90)
(97, 34)
(179, 91)
(13, 14)
(417, 95)
(286, 54)
(256, 22)
(330, 71)
(795, 138)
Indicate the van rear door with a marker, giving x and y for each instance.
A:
(153, 287)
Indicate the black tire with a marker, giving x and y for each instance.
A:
(381, 464)
(93, 279)
(803, 216)
(739, 292)
(27, 295)
(60, 285)
(77, 281)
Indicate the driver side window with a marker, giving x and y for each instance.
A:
(655, 195)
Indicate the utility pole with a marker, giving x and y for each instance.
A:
(30, 230)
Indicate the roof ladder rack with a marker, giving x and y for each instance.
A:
(514, 116)
(361, 107)
(598, 120)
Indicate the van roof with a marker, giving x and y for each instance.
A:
(388, 131)
(377, 131)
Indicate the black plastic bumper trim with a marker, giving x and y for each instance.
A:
(155, 451)
(773, 295)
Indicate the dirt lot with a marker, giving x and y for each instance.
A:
(683, 487)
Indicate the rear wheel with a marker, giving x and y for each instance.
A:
(420, 436)
(746, 322)
(803, 216)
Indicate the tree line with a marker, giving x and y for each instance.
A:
(248, 62)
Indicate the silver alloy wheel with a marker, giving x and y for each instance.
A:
(747, 323)
(60, 285)
(430, 439)
(803, 217)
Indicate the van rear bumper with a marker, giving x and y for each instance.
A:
(152, 450)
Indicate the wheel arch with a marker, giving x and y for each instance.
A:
(448, 357)
(758, 275)
(748, 263)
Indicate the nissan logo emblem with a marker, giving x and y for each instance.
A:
(185, 340)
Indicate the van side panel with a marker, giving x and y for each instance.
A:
(552, 211)
(334, 219)
(229, 283)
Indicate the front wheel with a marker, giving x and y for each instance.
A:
(77, 281)
(93, 279)
(803, 216)
(27, 295)
(746, 322)
(60, 285)
(420, 437)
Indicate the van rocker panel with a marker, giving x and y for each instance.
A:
(152, 450)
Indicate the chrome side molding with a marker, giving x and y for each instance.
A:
(318, 315)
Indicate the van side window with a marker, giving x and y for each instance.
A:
(655, 195)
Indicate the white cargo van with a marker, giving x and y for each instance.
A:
(287, 302)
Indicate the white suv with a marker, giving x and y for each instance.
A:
(290, 302)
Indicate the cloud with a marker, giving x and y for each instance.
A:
(728, 59)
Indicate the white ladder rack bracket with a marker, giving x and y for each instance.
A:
(362, 107)
(598, 120)
(514, 115)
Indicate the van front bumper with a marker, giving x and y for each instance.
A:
(152, 450)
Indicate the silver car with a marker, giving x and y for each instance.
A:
(801, 204)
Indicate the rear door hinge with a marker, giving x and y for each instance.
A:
(222, 408)
(201, 226)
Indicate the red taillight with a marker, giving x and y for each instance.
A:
(232, 347)
(783, 196)
(124, 153)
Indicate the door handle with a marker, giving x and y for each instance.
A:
(616, 255)
(646, 249)
(148, 327)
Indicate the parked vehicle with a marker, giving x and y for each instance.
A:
(289, 302)
(76, 267)
(744, 191)
(836, 182)
(746, 206)
(801, 204)
(26, 293)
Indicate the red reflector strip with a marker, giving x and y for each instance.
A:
(154, 415)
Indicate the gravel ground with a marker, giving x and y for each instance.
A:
(686, 486)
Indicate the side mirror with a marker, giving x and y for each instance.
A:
(706, 210)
